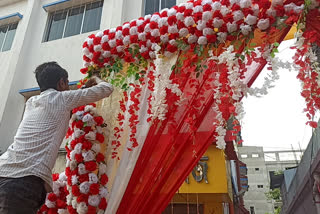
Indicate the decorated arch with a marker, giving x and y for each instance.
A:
(179, 78)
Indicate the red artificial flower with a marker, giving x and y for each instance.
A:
(98, 120)
(91, 210)
(52, 197)
(85, 58)
(55, 176)
(172, 48)
(103, 204)
(94, 189)
(71, 210)
(207, 7)
(100, 157)
(79, 158)
(79, 124)
(164, 14)
(104, 179)
(154, 25)
(85, 44)
(97, 41)
(125, 32)
(134, 38)
(83, 198)
(84, 70)
(100, 137)
(188, 12)
(133, 23)
(212, 38)
(83, 178)
(172, 20)
(141, 28)
(53, 211)
(164, 30)
(313, 124)
(68, 171)
(91, 166)
(61, 204)
(75, 190)
(106, 46)
(181, 9)
(86, 145)
(112, 35)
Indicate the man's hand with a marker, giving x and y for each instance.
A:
(94, 80)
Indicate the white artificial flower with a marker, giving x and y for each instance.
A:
(232, 27)
(89, 41)
(146, 17)
(155, 18)
(180, 16)
(164, 38)
(172, 12)
(163, 21)
(78, 132)
(189, 5)
(143, 49)
(90, 136)
(256, 9)
(96, 147)
(74, 180)
(198, 9)
(69, 198)
(126, 25)
(222, 37)
(94, 200)
(74, 203)
(133, 30)
(141, 36)
(119, 35)
(87, 118)
(206, 16)
(126, 40)
(106, 54)
(277, 2)
(50, 204)
(245, 29)
(201, 25)
(152, 54)
(93, 178)
(183, 32)
(104, 39)
(272, 12)
(173, 29)
(155, 32)
(63, 211)
(224, 10)
(202, 40)
(204, 2)
(238, 15)
(82, 208)
(102, 169)
(251, 20)
(216, 6)
(88, 156)
(245, 3)
(86, 64)
(73, 164)
(192, 39)
(263, 24)
(147, 28)
(217, 22)
(112, 43)
(99, 34)
(72, 155)
(120, 48)
(97, 48)
(103, 192)
(82, 169)
(84, 187)
(79, 114)
(208, 31)
(188, 21)
(85, 51)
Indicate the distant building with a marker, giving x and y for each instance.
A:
(261, 164)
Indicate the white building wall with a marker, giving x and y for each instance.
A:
(28, 51)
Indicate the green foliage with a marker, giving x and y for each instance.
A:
(273, 194)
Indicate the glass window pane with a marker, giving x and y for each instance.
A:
(3, 31)
(167, 3)
(74, 21)
(92, 17)
(151, 6)
(10, 36)
(56, 25)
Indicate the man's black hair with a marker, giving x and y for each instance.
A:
(48, 75)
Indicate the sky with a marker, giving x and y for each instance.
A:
(276, 121)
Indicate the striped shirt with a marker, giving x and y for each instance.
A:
(42, 129)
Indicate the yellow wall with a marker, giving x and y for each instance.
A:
(217, 175)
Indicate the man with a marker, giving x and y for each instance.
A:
(26, 167)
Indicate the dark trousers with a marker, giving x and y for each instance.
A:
(21, 195)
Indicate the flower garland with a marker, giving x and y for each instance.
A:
(125, 55)
(83, 187)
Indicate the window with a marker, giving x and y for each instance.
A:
(244, 156)
(73, 21)
(257, 169)
(255, 155)
(152, 6)
(7, 33)
(252, 210)
(260, 186)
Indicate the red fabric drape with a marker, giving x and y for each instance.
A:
(170, 151)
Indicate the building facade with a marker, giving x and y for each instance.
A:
(37, 31)
(260, 164)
